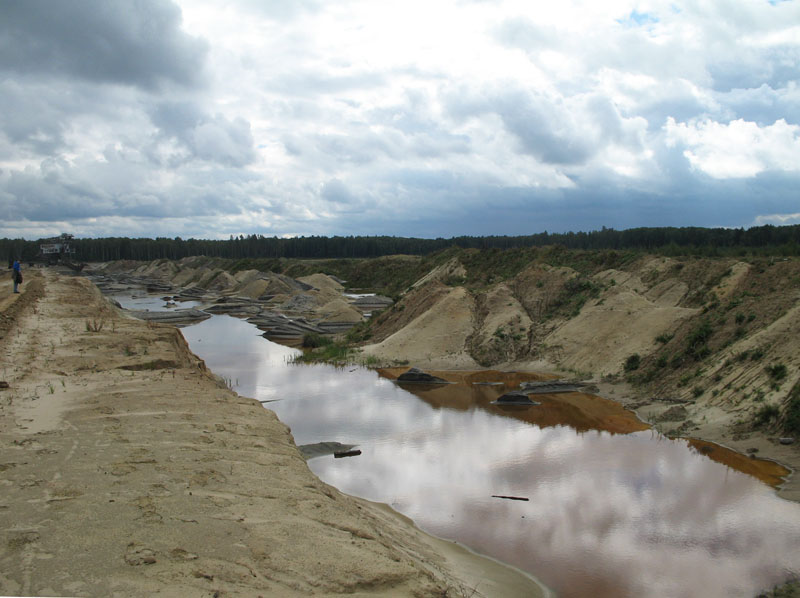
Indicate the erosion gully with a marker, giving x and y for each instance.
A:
(600, 504)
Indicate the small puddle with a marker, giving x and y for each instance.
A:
(613, 508)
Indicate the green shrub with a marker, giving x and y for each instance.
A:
(362, 331)
(664, 338)
(633, 362)
(766, 415)
(697, 340)
(312, 340)
(777, 371)
(792, 422)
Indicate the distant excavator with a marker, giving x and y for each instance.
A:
(59, 251)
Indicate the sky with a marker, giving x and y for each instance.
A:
(434, 118)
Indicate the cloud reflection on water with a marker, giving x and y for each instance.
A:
(609, 514)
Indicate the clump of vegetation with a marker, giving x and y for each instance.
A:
(766, 415)
(333, 352)
(454, 281)
(777, 371)
(362, 331)
(697, 341)
(312, 340)
(633, 362)
(664, 338)
(791, 422)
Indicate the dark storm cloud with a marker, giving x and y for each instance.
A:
(448, 207)
(57, 191)
(135, 43)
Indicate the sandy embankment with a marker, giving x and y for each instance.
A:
(127, 469)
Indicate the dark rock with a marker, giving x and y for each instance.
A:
(416, 375)
(515, 397)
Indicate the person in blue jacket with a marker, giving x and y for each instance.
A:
(16, 275)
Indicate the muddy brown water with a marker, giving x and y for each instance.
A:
(613, 508)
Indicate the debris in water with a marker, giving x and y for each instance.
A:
(354, 453)
(320, 449)
(515, 397)
(416, 375)
(510, 497)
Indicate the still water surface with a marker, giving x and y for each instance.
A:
(609, 513)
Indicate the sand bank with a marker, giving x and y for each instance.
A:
(127, 468)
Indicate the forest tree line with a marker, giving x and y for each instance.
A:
(760, 240)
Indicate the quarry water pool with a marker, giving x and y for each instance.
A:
(609, 512)
(611, 509)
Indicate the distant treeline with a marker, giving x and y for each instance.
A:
(760, 240)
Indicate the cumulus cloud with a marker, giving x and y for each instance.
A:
(738, 149)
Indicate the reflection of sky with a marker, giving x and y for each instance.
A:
(615, 515)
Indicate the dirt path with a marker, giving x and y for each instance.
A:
(127, 469)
